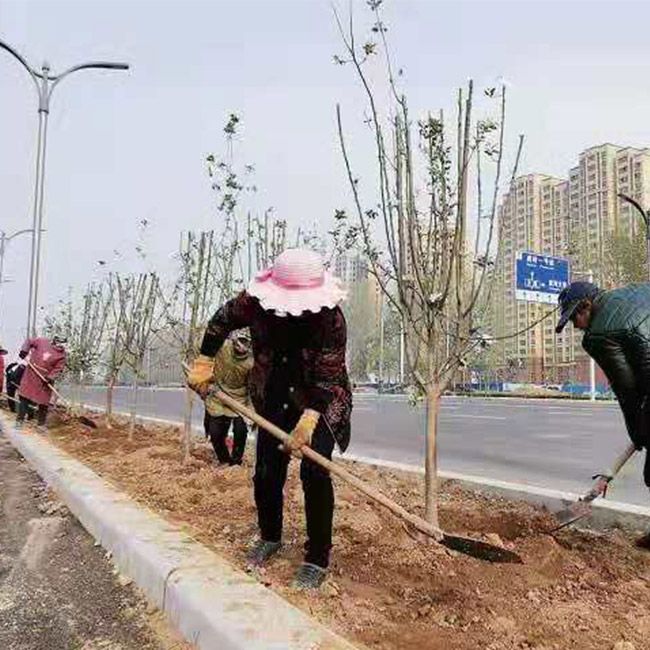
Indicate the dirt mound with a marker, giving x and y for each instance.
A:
(388, 589)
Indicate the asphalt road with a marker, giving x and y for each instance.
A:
(548, 443)
(57, 590)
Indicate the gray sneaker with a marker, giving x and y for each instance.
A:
(309, 576)
(262, 552)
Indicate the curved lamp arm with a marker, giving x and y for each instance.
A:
(19, 232)
(94, 65)
(21, 59)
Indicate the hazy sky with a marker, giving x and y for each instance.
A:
(128, 146)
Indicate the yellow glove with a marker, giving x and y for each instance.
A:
(200, 374)
(304, 430)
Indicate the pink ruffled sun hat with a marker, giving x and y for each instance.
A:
(297, 283)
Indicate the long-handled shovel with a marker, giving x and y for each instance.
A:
(467, 545)
(582, 507)
(81, 418)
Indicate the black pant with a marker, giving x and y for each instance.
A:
(11, 394)
(217, 427)
(26, 408)
(270, 476)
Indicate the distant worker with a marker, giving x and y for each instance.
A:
(13, 375)
(3, 353)
(45, 363)
(616, 327)
(232, 367)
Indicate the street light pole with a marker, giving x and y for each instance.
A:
(645, 215)
(45, 84)
(592, 362)
(4, 240)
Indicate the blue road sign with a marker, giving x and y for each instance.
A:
(540, 278)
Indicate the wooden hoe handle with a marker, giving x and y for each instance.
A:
(417, 522)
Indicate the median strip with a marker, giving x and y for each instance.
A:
(211, 603)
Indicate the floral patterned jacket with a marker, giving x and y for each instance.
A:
(307, 351)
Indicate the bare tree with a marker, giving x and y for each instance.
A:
(115, 350)
(136, 318)
(417, 232)
(205, 280)
(84, 326)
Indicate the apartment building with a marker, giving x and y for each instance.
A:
(533, 216)
(595, 211)
(351, 268)
(566, 218)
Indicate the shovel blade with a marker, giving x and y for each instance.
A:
(571, 514)
(480, 549)
(87, 422)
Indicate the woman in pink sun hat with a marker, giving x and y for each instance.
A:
(299, 382)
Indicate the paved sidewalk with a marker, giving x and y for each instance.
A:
(57, 590)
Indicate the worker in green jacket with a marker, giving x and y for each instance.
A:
(232, 366)
(616, 327)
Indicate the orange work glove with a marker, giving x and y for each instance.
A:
(304, 430)
(200, 374)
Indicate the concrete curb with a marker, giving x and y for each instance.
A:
(212, 604)
(604, 513)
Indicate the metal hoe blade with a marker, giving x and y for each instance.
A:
(571, 514)
(582, 508)
(480, 550)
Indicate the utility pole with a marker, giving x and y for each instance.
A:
(592, 363)
(45, 84)
(402, 351)
(381, 341)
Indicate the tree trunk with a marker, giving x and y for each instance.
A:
(431, 460)
(109, 401)
(187, 424)
(82, 381)
(134, 407)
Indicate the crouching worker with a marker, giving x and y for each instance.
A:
(300, 383)
(45, 363)
(232, 367)
(3, 353)
(616, 326)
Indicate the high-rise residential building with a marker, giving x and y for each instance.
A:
(351, 268)
(533, 216)
(595, 211)
(566, 218)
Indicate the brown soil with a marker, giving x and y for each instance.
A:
(388, 590)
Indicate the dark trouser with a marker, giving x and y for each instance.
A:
(11, 394)
(217, 427)
(270, 477)
(26, 406)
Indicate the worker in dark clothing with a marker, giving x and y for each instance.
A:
(299, 382)
(14, 374)
(616, 327)
(3, 354)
